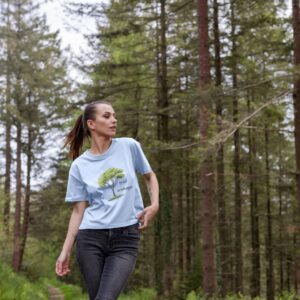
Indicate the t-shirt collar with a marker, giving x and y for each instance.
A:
(107, 153)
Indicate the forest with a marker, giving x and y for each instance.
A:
(211, 90)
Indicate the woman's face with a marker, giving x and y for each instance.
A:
(105, 123)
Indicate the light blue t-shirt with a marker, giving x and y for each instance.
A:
(109, 183)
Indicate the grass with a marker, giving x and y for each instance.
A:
(15, 286)
(284, 295)
(140, 294)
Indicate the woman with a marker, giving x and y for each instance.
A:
(108, 213)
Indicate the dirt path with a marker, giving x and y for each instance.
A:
(55, 293)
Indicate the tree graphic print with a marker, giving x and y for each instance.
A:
(110, 178)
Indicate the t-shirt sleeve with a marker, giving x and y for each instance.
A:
(141, 163)
(76, 190)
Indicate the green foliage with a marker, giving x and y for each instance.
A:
(140, 294)
(129, 73)
(16, 286)
(192, 296)
(194, 276)
(70, 291)
(50, 216)
(285, 295)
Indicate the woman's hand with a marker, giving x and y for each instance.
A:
(147, 215)
(62, 264)
(153, 189)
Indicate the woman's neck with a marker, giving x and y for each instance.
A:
(100, 145)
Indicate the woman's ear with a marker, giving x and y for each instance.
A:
(90, 124)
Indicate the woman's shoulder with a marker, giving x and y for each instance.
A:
(132, 144)
(75, 162)
(79, 160)
(127, 140)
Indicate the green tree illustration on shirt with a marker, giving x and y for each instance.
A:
(110, 178)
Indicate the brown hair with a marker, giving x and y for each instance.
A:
(80, 130)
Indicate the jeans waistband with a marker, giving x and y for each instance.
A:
(136, 225)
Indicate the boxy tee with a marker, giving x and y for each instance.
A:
(109, 183)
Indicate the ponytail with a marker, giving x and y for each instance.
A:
(76, 137)
(80, 131)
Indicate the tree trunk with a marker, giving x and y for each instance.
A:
(296, 97)
(295, 258)
(296, 93)
(137, 98)
(163, 101)
(16, 259)
(280, 218)
(180, 226)
(187, 175)
(236, 163)
(166, 155)
(184, 219)
(26, 211)
(163, 221)
(206, 178)
(8, 158)
(268, 234)
(158, 265)
(17, 225)
(188, 255)
(255, 243)
(288, 272)
(224, 244)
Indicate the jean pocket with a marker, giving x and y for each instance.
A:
(132, 232)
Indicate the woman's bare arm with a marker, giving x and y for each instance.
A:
(153, 190)
(62, 264)
(75, 220)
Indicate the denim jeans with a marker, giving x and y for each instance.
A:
(106, 259)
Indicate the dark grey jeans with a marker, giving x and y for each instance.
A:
(106, 259)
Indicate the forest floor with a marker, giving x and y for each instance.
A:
(55, 293)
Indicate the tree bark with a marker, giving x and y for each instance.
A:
(296, 93)
(8, 157)
(188, 255)
(236, 163)
(8, 160)
(158, 265)
(268, 234)
(224, 244)
(255, 242)
(280, 218)
(16, 259)
(26, 211)
(296, 98)
(17, 225)
(180, 225)
(206, 178)
(163, 101)
(163, 222)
